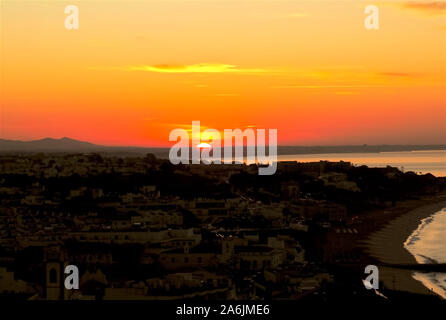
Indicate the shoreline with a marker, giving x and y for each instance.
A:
(386, 245)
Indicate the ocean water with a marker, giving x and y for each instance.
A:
(427, 161)
(428, 245)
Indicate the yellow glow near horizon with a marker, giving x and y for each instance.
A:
(204, 145)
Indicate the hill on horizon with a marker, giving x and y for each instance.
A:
(68, 145)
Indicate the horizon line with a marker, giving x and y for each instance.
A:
(167, 147)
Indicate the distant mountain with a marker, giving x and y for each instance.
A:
(68, 145)
(63, 144)
(47, 144)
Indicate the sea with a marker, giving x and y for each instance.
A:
(427, 244)
(426, 161)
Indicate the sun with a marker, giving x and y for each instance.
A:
(204, 145)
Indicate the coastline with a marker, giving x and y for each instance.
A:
(387, 246)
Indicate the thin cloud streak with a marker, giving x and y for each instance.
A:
(433, 7)
(299, 15)
(195, 68)
(321, 86)
(399, 74)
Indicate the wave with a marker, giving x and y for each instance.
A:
(427, 245)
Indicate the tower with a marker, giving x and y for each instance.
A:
(54, 273)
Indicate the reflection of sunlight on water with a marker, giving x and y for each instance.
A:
(427, 245)
(426, 161)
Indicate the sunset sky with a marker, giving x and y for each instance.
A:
(135, 70)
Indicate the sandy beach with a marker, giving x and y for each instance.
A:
(387, 247)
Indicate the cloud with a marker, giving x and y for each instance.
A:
(194, 68)
(398, 74)
(299, 15)
(318, 86)
(433, 7)
(346, 93)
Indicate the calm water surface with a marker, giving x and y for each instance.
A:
(430, 161)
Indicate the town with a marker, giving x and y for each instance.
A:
(140, 228)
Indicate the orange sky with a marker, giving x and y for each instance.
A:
(135, 70)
